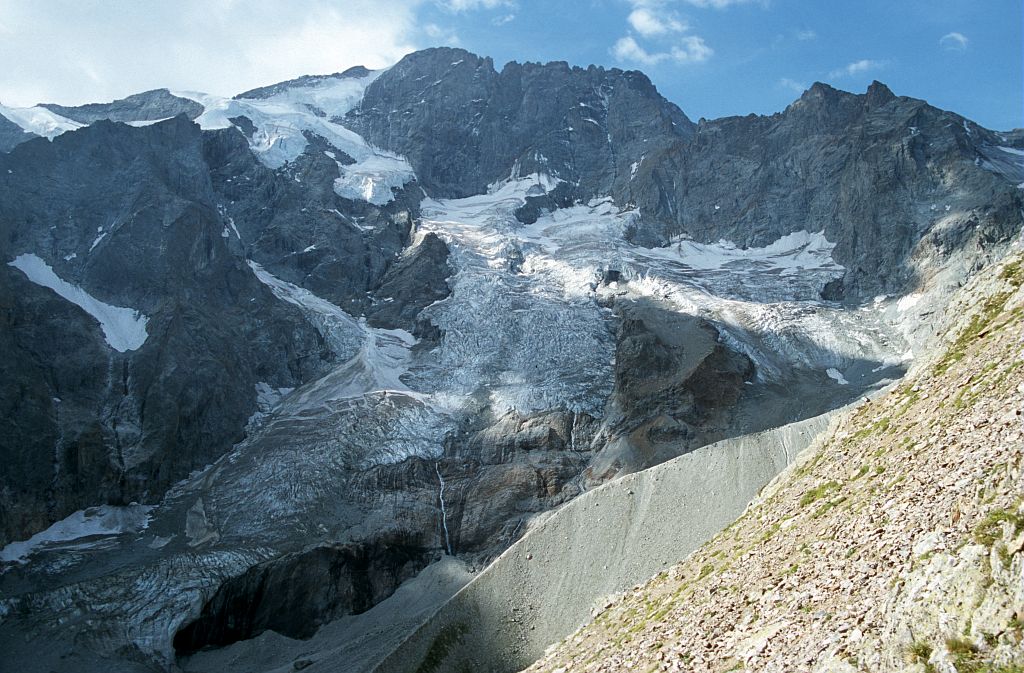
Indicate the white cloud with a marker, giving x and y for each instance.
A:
(469, 5)
(650, 21)
(857, 68)
(626, 49)
(954, 42)
(806, 35)
(439, 35)
(502, 20)
(792, 85)
(75, 52)
(721, 4)
(689, 49)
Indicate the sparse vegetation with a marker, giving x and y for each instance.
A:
(989, 530)
(919, 652)
(978, 327)
(818, 492)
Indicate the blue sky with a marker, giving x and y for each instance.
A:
(711, 57)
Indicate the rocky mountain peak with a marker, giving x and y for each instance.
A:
(878, 94)
(438, 60)
(355, 72)
(464, 126)
(145, 106)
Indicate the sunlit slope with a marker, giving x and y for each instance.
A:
(894, 545)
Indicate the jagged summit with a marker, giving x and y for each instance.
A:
(878, 93)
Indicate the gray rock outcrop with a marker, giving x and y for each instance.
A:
(12, 135)
(147, 106)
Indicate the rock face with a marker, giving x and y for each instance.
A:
(881, 175)
(675, 383)
(464, 125)
(677, 387)
(147, 106)
(143, 218)
(294, 595)
(11, 134)
(414, 282)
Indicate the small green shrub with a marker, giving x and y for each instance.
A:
(818, 492)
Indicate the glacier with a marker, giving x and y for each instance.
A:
(81, 530)
(39, 120)
(282, 121)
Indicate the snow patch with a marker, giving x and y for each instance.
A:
(39, 120)
(267, 397)
(97, 241)
(282, 121)
(908, 302)
(373, 178)
(635, 166)
(147, 122)
(106, 520)
(791, 254)
(836, 376)
(123, 328)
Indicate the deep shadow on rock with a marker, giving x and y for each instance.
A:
(295, 594)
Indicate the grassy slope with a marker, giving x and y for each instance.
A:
(897, 545)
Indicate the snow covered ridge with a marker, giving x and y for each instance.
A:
(123, 328)
(39, 120)
(105, 520)
(283, 119)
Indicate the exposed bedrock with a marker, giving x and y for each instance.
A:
(464, 125)
(11, 134)
(496, 473)
(676, 386)
(161, 219)
(418, 279)
(295, 594)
